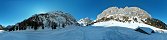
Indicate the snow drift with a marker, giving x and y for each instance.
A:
(83, 33)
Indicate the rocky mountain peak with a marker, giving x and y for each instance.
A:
(129, 14)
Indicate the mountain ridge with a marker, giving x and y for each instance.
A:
(53, 20)
(129, 14)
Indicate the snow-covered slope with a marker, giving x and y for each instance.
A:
(131, 16)
(132, 25)
(83, 33)
(52, 20)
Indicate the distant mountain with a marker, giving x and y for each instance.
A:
(129, 14)
(53, 20)
(85, 21)
(1, 27)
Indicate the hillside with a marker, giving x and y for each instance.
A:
(50, 20)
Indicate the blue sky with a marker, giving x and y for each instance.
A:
(13, 11)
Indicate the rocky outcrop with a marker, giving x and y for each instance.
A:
(130, 12)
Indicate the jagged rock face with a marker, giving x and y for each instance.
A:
(52, 20)
(129, 14)
(126, 14)
(1, 28)
(127, 11)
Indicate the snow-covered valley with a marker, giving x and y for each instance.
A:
(83, 33)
